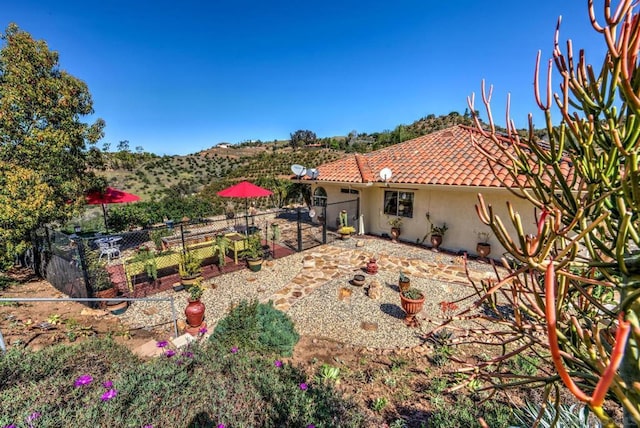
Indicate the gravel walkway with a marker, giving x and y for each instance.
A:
(310, 295)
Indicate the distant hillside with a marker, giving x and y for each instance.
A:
(154, 177)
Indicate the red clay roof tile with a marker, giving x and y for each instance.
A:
(445, 157)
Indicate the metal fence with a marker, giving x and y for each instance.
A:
(142, 262)
(56, 257)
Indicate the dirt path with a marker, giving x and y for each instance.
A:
(39, 324)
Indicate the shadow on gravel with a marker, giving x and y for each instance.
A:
(393, 310)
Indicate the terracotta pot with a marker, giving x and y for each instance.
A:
(404, 285)
(109, 293)
(372, 267)
(436, 241)
(411, 307)
(395, 234)
(194, 313)
(483, 249)
(345, 236)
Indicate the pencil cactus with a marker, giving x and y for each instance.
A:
(577, 277)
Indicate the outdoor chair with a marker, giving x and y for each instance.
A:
(110, 251)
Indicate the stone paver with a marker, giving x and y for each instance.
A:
(330, 262)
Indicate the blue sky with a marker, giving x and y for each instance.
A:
(178, 77)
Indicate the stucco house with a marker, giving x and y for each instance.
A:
(440, 174)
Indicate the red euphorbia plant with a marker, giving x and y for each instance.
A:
(571, 294)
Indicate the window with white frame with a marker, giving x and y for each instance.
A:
(319, 197)
(398, 203)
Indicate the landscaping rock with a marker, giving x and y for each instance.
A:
(369, 326)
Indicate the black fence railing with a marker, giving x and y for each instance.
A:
(141, 262)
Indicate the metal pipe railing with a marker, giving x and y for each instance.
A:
(92, 299)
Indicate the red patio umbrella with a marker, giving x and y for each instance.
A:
(245, 190)
(110, 196)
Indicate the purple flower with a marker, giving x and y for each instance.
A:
(311, 426)
(222, 426)
(109, 395)
(10, 426)
(179, 362)
(83, 380)
(234, 350)
(277, 363)
(33, 416)
(187, 354)
(304, 386)
(170, 353)
(162, 344)
(148, 426)
(203, 330)
(107, 384)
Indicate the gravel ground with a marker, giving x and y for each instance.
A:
(321, 313)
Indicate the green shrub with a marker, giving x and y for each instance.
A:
(201, 385)
(464, 412)
(259, 327)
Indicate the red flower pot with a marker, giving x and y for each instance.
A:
(411, 307)
(194, 313)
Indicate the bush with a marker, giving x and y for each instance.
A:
(202, 385)
(259, 327)
(463, 412)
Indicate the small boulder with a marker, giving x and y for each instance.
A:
(374, 291)
(369, 326)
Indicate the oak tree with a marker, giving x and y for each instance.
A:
(47, 154)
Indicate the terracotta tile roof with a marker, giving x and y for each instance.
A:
(445, 157)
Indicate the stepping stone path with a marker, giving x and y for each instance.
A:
(329, 262)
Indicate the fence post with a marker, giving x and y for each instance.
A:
(324, 225)
(184, 247)
(299, 229)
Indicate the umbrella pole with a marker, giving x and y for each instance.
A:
(104, 211)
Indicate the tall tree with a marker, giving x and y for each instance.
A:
(46, 152)
(302, 137)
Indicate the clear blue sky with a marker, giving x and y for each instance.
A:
(178, 77)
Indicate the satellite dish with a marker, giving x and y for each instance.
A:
(312, 173)
(298, 170)
(312, 213)
(385, 174)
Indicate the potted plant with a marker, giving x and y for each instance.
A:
(412, 301)
(344, 230)
(253, 252)
(396, 224)
(195, 308)
(483, 248)
(189, 268)
(403, 282)
(221, 245)
(437, 233)
(157, 235)
(147, 258)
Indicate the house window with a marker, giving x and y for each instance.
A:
(319, 197)
(398, 203)
(351, 191)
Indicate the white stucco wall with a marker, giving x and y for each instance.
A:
(454, 206)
